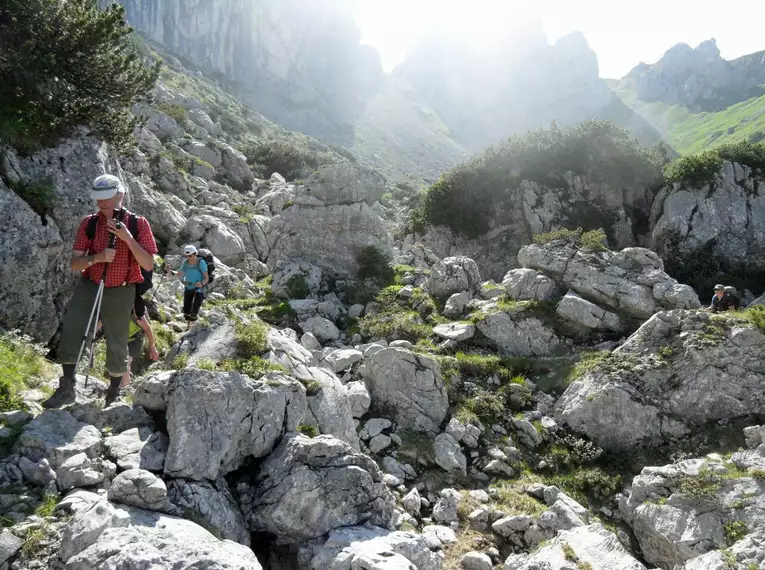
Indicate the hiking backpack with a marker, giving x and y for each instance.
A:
(733, 293)
(90, 231)
(209, 258)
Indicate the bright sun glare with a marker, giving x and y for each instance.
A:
(622, 34)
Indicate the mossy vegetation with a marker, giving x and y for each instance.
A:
(39, 194)
(592, 241)
(394, 318)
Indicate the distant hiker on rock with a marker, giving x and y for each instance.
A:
(723, 300)
(193, 273)
(110, 249)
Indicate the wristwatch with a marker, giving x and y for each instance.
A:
(90, 260)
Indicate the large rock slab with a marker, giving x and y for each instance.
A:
(631, 282)
(529, 285)
(681, 511)
(516, 333)
(217, 419)
(585, 315)
(213, 502)
(329, 237)
(406, 387)
(588, 546)
(56, 436)
(329, 407)
(138, 448)
(453, 275)
(105, 538)
(310, 486)
(140, 488)
(375, 549)
(665, 380)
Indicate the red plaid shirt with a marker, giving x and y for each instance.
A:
(124, 268)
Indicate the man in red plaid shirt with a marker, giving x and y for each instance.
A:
(91, 256)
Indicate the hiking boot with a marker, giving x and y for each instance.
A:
(113, 392)
(63, 395)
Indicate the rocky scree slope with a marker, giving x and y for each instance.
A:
(323, 443)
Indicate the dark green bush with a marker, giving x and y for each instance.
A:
(277, 156)
(700, 169)
(66, 64)
(466, 198)
(297, 288)
(375, 265)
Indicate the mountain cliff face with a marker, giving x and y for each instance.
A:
(299, 63)
(520, 84)
(699, 79)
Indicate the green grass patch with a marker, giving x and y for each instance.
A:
(254, 367)
(394, 319)
(297, 288)
(246, 212)
(48, 505)
(513, 500)
(22, 366)
(734, 531)
(180, 361)
(308, 430)
(703, 488)
(251, 339)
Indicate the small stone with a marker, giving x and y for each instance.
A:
(406, 292)
(475, 561)
(400, 344)
(496, 467)
(392, 480)
(412, 502)
(374, 427)
(455, 429)
(479, 519)
(379, 442)
(480, 495)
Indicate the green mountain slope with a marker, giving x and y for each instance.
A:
(688, 132)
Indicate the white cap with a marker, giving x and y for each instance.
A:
(189, 250)
(106, 186)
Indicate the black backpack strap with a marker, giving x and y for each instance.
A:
(90, 229)
(133, 225)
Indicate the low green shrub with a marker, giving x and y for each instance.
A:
(252, 339)
(22, 366)
(374, 264)
(40, 194)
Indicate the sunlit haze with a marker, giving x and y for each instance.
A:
(622, 33)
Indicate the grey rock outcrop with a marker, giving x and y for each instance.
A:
(630, 400)
(453, 275)
(593, 546)
(529, 285)
(213, 502)
(138, 448)
(217, 419)
(517, 333)
(715, 226)
(140, 488)
(375, 549)
(630, 282)
(329, 408)
(585, 315)
(681, 511)
(308, 487)
(407, 387)
(109, 538)
(328, 230)
(35, 248)
(56, 436)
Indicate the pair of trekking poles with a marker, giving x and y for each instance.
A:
(96, 310)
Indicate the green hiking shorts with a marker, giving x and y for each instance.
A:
(116, 308)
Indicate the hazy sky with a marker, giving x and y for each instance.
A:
(622, 33)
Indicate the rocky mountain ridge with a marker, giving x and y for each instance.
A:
(698, 78)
